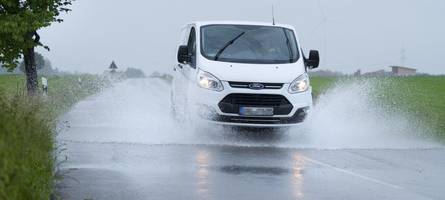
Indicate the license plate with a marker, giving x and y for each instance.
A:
(255, 111)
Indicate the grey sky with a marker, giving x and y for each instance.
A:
(366, 34)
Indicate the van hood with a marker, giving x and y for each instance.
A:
(262, 73)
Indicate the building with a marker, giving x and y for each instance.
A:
(377, 73)
(403, 71)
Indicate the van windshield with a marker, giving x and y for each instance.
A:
(249, 44)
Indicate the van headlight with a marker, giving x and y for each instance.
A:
(301, 84)
(208, 81)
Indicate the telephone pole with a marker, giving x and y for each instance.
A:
(402, 57)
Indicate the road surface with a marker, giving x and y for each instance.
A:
(122, 144)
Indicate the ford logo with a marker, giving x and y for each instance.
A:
(256, 86)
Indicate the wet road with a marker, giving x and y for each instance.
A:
(121, 145)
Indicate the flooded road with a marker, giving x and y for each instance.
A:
(123, 144)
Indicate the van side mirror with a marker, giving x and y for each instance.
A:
(183, 54)
(314, 59)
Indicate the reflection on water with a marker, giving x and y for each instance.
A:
(236, 169)
(202, 160)
(254, 135)
(239, 164)
(297, 175)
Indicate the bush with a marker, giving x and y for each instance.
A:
(134, 73)
(26, 145)
(27, 130)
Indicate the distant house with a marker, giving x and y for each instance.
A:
(403, 71)
(377, 73)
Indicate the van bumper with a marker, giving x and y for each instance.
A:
(210, 106)
(243, 121)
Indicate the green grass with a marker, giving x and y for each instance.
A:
(422, 98)
(12, 84)
(26, 145)
(27, 130)
(321, 84)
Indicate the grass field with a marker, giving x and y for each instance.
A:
(321, 84)
(422, 98)
(12, 84)
(27, 129)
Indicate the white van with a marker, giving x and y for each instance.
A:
(242, 74)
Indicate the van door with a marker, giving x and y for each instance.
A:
(183, 72)
(187, 70)
(178, 95)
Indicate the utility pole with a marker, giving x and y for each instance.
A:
(402, 56)
(273, 15)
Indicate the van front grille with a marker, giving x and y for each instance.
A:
(232, 103)
(275, 86)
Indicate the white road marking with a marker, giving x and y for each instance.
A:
(367, 178)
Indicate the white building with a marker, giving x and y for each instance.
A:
(403, 71)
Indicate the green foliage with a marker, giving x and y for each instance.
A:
(40, 62)
(321, 84)
(19, 22)
(43, 65)
(12, 85)
(26, 146)
(27, 130)
(421, 98)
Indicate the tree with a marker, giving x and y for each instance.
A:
(43, 65)
(19, 22)
(47, 68)
(134, 73)
(39, 62)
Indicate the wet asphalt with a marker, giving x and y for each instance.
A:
(106, 159)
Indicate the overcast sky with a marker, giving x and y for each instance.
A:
(367, 34)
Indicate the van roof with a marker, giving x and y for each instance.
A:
(204, 23)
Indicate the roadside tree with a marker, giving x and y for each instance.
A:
(20, 20)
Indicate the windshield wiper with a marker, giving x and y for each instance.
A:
(227, 45)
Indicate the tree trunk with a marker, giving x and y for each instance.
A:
(30, 71)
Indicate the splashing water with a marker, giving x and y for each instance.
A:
(350, 116)
(138, 111)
